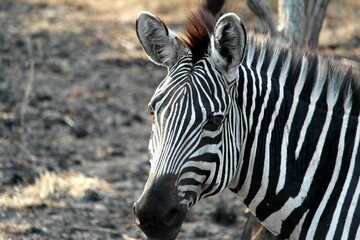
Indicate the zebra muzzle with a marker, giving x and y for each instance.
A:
(158, 212)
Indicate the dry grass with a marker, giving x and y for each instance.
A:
(52, 186)
(13, 227)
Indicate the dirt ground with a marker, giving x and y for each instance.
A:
(74, 86)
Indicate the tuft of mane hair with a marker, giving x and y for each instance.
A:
(199, 27)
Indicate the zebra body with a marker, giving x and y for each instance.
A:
(278, 127)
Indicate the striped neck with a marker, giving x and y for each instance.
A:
(288, 104)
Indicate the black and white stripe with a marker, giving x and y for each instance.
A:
(183, 139)
(300, 163)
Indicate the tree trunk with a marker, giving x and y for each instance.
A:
(315, 15)
(300, 21)
(292, 21)
(264, 13)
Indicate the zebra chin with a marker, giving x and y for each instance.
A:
(158, 212)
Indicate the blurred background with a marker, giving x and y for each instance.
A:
(74, 87)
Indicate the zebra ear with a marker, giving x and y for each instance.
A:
(160, 44)
(228, 42)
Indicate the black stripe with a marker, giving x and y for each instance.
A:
(356, 218)
(271, 202)
(260, 151)
(322, 175)
(348, 198)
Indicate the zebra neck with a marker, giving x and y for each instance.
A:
(262, 79)
(299, 133)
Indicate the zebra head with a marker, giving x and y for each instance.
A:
(194, 119)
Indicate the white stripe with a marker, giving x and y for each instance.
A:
(315, 94)
(245, 188)
(168, 137)
(193, 176)
(175, 154)
(165, 150)
(294, 203)
(351, 216)
(285, 141)
(339, 205)
(253, 100)
(259, 63)
(201, 91)
(208, 148)
(243, 119)
(187, 147)
(178, 141)
(334, 178)
(244, 99)
(357, 233)
(249, 59)
(265, 178)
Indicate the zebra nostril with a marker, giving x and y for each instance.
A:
(134, 209)
(171, 217)
(136, 219)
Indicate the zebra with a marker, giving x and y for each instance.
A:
(278, 126)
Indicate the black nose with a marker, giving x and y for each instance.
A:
(158, 212)
(147, 211)
(171, 216)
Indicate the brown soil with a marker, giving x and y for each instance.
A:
(74, 86)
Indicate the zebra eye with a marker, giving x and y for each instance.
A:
(215, 119)
(151, 112)
(214, 122)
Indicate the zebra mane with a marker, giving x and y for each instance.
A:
(197, 35)
(199, 27)
(342, 78)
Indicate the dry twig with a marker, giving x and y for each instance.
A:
(25, 102)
